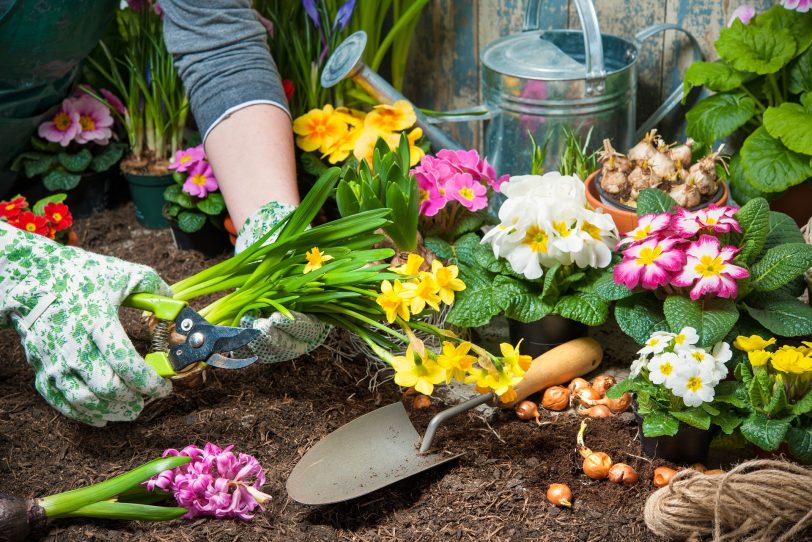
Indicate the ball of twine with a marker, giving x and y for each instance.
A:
(757, 501)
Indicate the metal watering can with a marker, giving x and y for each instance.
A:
(538, 83)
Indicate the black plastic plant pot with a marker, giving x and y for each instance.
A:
(690, 445)
(209, 240)
(147, 192)
(91, 195)
(543, 335)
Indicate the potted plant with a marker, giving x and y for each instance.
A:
(721, 270)
(194, 207)
(680, 395)
(764, 100)
(49, 217)
(154, 107)
(74, 153)
(776, 395)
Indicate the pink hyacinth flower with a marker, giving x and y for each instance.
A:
(95, 121)
(715, 219)
(651, 263)
(431, 200)
(648, 226)
(200, 181)
(186, 159)
(801, 6)
(709, 271)
(470, 193)
(64, 125)
(743, 13)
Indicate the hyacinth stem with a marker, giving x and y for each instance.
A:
(126, 510)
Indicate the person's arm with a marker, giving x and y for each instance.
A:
(237, 99)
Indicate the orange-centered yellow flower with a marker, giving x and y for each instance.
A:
(392, 301)
(455, 360)
(318, 129)
(447, 281)
(422, 374)
(391, 118)
(316, 259)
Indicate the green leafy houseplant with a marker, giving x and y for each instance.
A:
(194, 199)
(769, 247)
(763, 95)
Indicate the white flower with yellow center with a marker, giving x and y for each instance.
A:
(685, 339)
(663, 368)
(658, 342)
(693, 384)
(637, 366)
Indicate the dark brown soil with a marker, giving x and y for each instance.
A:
(496, 491)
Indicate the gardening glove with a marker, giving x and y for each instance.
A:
(63, 301)
(282, 339)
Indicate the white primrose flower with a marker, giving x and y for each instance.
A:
(685, 339)
(663, 368)
(694, 384)
(637, 366)
(658, 342)
(599, 234)
(552, 185)
(706, 361)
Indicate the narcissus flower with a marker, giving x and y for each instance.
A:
(651, 263)
(753, 342)
(58, 215)
(391, 118)
(64, 125)
(445, 276)
(420, 293)
(200, 181)
(412, 266)
(708, 269)
(647, 226)
(95, 121)
(315, 259)
(515, 361)
(318, 129)
(455, 360)
(711, 219)
(392, 301)
(422, 375)
(14, 208)
(186, 159)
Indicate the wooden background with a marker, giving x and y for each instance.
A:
(444, 70)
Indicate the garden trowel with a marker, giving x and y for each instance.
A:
(383, 447)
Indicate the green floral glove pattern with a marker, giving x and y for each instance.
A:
(282, 339)
(64, 301)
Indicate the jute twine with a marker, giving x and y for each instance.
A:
(757, 501)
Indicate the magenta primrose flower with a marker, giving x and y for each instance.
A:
(801, 6)
(651, 263)
(712, 219)
(470, 162)
(743, 13)
(216, 482)
(431, 200)
(708, 269)
(186, 159)
(463, 188)
(200, 181)
(95, 121)
(64, 125)
(650, 225)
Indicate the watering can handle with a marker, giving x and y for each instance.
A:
(593, 44)
(671, 102)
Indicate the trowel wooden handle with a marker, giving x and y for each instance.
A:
(560, 365)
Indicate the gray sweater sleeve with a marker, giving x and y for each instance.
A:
(222, 55)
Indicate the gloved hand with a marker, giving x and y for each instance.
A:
(63, 301)
(282, 339)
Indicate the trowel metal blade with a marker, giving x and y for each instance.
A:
(360, 457)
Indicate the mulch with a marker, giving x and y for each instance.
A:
(495, 491)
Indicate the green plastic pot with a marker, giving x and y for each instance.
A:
(147, 192)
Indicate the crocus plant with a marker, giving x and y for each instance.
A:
(77, 140)
(720, 270)
(195, 196)
(48, 217)
(675, 382)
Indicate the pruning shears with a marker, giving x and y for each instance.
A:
(203, 342)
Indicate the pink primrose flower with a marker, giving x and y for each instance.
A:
(431, 200)
(743, 13)
(113, 100)
(801, 6)
(200, 181)
(708, 269)
(95, 120)
(470, 162)
(651, 263)
(186, 159)
(471, 194)
(64, 125)
(714, 219)
(648, 226)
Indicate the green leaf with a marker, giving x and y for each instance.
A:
(212, 204)
(465, 248)
(75, 163)
(58, 180)
(474, 306)
(771, 167)
(639, 316)
(526, 308)
(175, 194)
(764, 432)
(733, 441)
(782, 230)
(719, 116)
(108, 157)
(441, 248)
(712, 318)
(347, 198)
(751, 48)
(583, 307)
(754, 219)
(800, 74)
(470, 222)
(191, 222)
(804, 405)
(311, 164)
(792, 125)
(783, 316)
(778, 400)
(39, 206)
(726, 392)
(799, 25)
(506, 290)
(551, 290)
(617, 391)
(727, 420)
(716, 76)
(659, 424)
(741, 190)
(609, 290)
(34, 163)
(695, 417)
(484, 257)
(799, 442)
(51, 147)
(652, 200)
(779, 265)
(759, 391)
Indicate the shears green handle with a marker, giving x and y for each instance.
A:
(164, 308)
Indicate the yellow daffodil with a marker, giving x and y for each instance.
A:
(503, 381)
(512, 359)
(753, 342)
(790, 360)
(455, 360)
(421, 292)
(392, 301)
(412, 266)
(759, 357)
(423, 375)
(480, 378)
(316, 259)
(509, 396)
(447, 281)
(318, 129)
(391, 118)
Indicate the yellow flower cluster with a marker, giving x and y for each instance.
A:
(340, 132)
(787, 359)
(404, 298)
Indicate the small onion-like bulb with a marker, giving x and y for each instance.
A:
(663, 475)
(556, 398)
(560, 495)
(527, 410)
(577, 384)
(597, 465)
(421, 401)
(621, 473)
(602, 383)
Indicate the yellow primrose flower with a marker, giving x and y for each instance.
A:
(391, 118)
(753, 342)
(392, 301)
(455, 360)
(759, 357)
(316, 259)
(422, 375)
(364, 146)
(318, 129)
(789, 360)
(421, 292)
(447, 281)
(353, 117)
(342, 148)
(412, 266)
(415, 153)
(513, 360)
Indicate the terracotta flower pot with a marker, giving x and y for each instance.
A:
(627, 220)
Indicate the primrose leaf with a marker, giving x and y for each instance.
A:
(474, 306)
(617, 391)
(58, 180)
(799, 442)
(609, 290)
(311, 164)
(639, 316)
(783, 316)
(75, 163)
(754, 219)
(778, 400)
(804, 405)
(108, 157)
(771, 167)
(719, 116)
(764, 432)
(800, 73)
(695, 417)
(782, 230)
(191, 222)
(727, 420)
(657, 424)
(526, 308)
(792, 125)
(212, 204)
(652, 200)
(780, 265)
(798, 24)
(465, 249)
(34, 163)
(583, 307)
(470, 222)
(439, 247)
(712, 318)
(757, 49)
(175, 194)
(717, 76)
